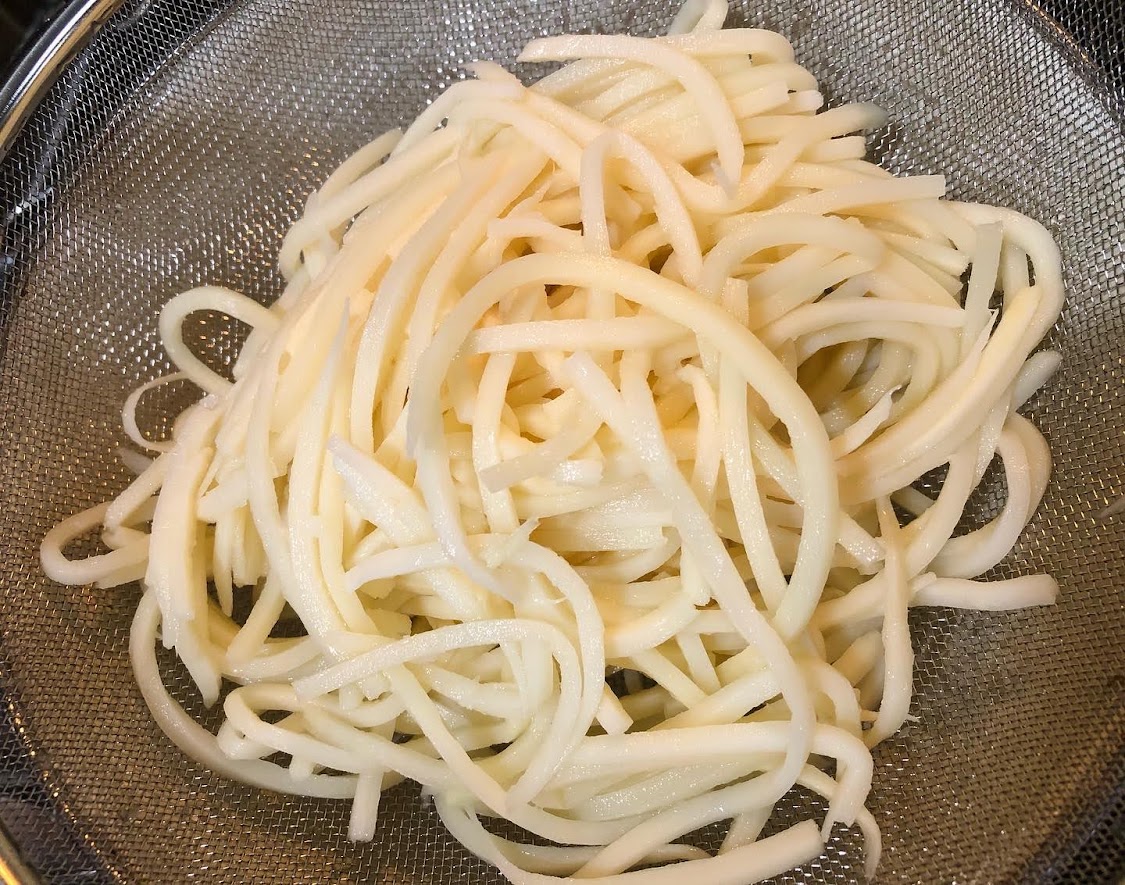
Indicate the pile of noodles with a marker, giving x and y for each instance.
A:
(581, 443)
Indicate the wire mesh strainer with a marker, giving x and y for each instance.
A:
(181, 143)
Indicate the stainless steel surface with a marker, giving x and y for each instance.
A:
(182, 142)
(44, 60)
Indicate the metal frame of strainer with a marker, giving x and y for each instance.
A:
(44, 60)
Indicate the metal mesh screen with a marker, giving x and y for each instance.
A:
(182, 143)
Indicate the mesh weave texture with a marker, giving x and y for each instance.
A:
(182, 143)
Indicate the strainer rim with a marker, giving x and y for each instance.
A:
(41, 64)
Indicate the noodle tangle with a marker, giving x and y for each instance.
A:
(574, 474)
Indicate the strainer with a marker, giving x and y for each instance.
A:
(176, 148)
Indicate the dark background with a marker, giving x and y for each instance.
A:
(18, 20)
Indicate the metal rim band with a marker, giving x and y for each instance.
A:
(45, 59)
